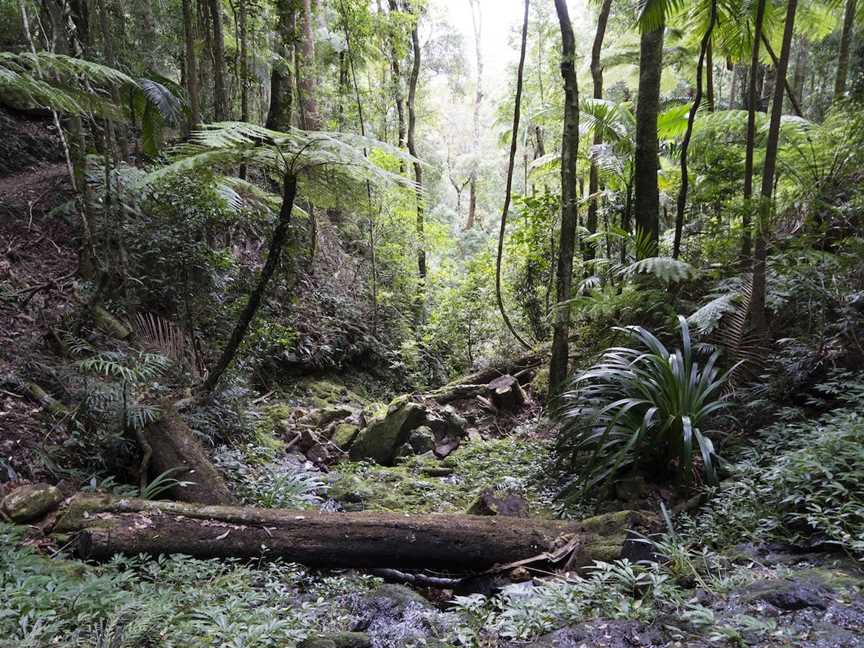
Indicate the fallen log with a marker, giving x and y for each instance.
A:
(475, 384)
(104, 526)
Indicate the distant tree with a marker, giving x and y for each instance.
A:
(845, 46)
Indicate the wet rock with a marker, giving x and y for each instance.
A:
(437, 471)
(490, 502)
(380, 439)
(446, 448)
(391, 603)
(602, 634)
(422, 440)
(338, 640)
(31, 502)
(318, 454)
(344, 435)
(789, 594)
(323, 417)
(447, 423)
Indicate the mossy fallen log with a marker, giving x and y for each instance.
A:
(104, 526)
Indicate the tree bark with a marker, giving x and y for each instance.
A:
(476, 19)
(758, 315)
(174, 447)
(802, 62)
(277, 242)
(418, 169)
(220, 96)
(589, 251)
(281, 80)
(749, 147)
(511, 164)
(105, 526)
(398, 98)
(191, 66)
(647, 157)
(843, 54)
(569, 206)
(306, 72)
(685, 144)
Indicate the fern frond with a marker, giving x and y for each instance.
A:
(664, 268)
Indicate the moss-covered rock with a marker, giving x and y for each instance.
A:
(421, 440)
(31, 502)
(338, 640)
(344, 435)
(380, 439)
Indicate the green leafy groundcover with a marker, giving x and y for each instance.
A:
(801, 481)
(169, 601)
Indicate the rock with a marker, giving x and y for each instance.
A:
(380, 439)
(789, 594)
(344, 435)
(389, 602)
(474, 435)
(351, 492)
(508, 504)
(630, 489)
(31, 502)
(446, 447)
(338, 640)
(602, 632)
(422, 440)
(324, 416)
(318, 454)
(506, 393)
(403, 452)
(446, 422)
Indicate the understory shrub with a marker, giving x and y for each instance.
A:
(642, 407)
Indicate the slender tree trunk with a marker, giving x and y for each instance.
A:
(758, 314)
(647, 158)
(511, 166)
(281, 81)
(709, 77)
(750, 145)
(477, 21)
(244, 60)
(191, 66)
(802, 61)
(569, 205)
(685, 144)
(418, 169)
(845, 45)
(148, 26)
(111, 61)
(220, 96)
(277, 242)
(396, 73)
(589, 251)
(306, 72)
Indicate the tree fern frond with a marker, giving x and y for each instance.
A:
(664, 268)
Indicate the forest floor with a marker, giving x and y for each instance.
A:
(756, 593)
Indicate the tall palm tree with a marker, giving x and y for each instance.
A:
(652, 22)
(751, 129)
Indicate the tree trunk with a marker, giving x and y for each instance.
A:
(173, 446)
(105, 526)
(244, 60)
(476, 19)
(758, 314)
(802, 62)
(398, 98)
(277, 242)
(569, 205)
(685, 144)
(310, 118)
(418, 169)
(647, 158)
(709, 77)
(843, 54)
(191, 66)
(511, 165)
(589, 251)
(220, 96)
(749, 148)
(281, 80)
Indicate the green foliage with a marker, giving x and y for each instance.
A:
(184, 602)
(642, 407)
(809, 493)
